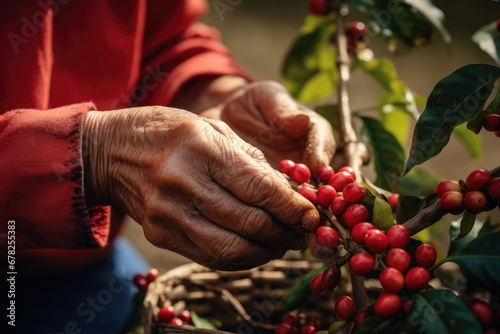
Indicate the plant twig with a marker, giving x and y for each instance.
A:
(424, 218)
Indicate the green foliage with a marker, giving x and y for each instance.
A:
(205, 322)
(476, 124)
(373, 324)
(456, 99)
(488, 40)
(466, 224)
(409, 206)
(472, 143)
(301, 290)
(418, 182)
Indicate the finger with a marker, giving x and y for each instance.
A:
(320, 146)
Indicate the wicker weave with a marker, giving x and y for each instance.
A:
(248, 301)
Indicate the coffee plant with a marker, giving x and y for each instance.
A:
(377, 232)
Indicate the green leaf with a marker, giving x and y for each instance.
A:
(301, 290)
(388, 155)
(418, 182)
(409, 206)
(396, 121)
(456, 244)
(471, 142)
(456, 99)
(479, 261)
(336, 326)
(204, 322)
(488, 40)
(441, 311)
(476, 124)
(466, 224)
(382, 218)
(309, 70)
(373, 324)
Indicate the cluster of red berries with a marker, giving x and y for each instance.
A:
(356, 36)
(484, 314)
(491, 123)
(168, 315)
(479, 193)
(142, 281)
(297, 323)
(318, 7)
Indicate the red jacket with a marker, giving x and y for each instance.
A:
(60, 61)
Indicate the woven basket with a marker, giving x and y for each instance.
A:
(248, 301)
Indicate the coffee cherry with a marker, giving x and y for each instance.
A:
(452, 202)
(327, 236)
(478, 179)
(387, 305)
(308, 194)
(325, 173)
(497, 133)
(152, 274)
(475, 201)
(354, 193)
(447, 185)
(339, 205)
(361, 263)
(359, 231)
(325, 195)
(398, 236)
(166, 314)
(491, 123)
(399, 259)
(407, 306)
(340, 180)
(376, 241)
(140, 282)
(392, 280)
(185, 316)
(330, 277)
(285, 166)
(425, 255)
(291, 318)
(176, 322)
(482, 310)
(318, 7)
(393, 201)
(356, 32)
(416, 279)
(300, 173)
(493, 189)
(358, 318)
(345, 307)
(315, 284)
(282, 328)
(354, 214)
(308, 329)
(348, 169)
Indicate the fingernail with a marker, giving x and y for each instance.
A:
(298, 243)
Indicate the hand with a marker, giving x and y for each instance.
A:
(266, 116)
(194, 186)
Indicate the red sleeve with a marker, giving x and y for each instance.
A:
(177, 49)
(41, 183)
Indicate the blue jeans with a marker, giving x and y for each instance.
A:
(99, 300)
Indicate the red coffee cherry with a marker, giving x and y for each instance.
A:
(425, 255)
(475, 201)
(376, 241)
(358, 318)
(491, 123)
(315, 283)
(407, 306)
(308, 329)
(361, 263)
(416, 279)
(359, 231)
(354, 193)
(452, 202)
(345, 307)
(185, 316)
(300, 173)
(340, 179)
(166, 314)
(318, 7)
(493, 189)
(282, 328)
(398, 236)
(330, 277)
(315, 322)
(399, 259)
(285, 166)
(348, 169)
(478, 179)
(308, 194)
(339, 205)
(356, 32)
(140, 282)
(327, 236)
(447, 185)
(392, 280)
(482, 310)
(325, 173)
(325, 195)
(387, 305)
(291, 318)
(176, 322)
(393, 201)
(152, 274)
(354, 214)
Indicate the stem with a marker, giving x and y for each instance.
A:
(425, 218)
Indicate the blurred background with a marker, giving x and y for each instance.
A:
(259, 33)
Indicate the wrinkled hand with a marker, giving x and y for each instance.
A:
(266, 116)
(194, 186)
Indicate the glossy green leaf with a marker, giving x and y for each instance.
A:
(373, 324)
(204, 322)
(382, 218)
(455, 243)
(440, 311)
(456, 99)
(418, 182)
(466, 224)
(409, 206)
(488, 40)
(309, 70)
(396, 121)
(479, 261)
(476, 124)
(336, 326)
(388, 155)
(472, 143)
